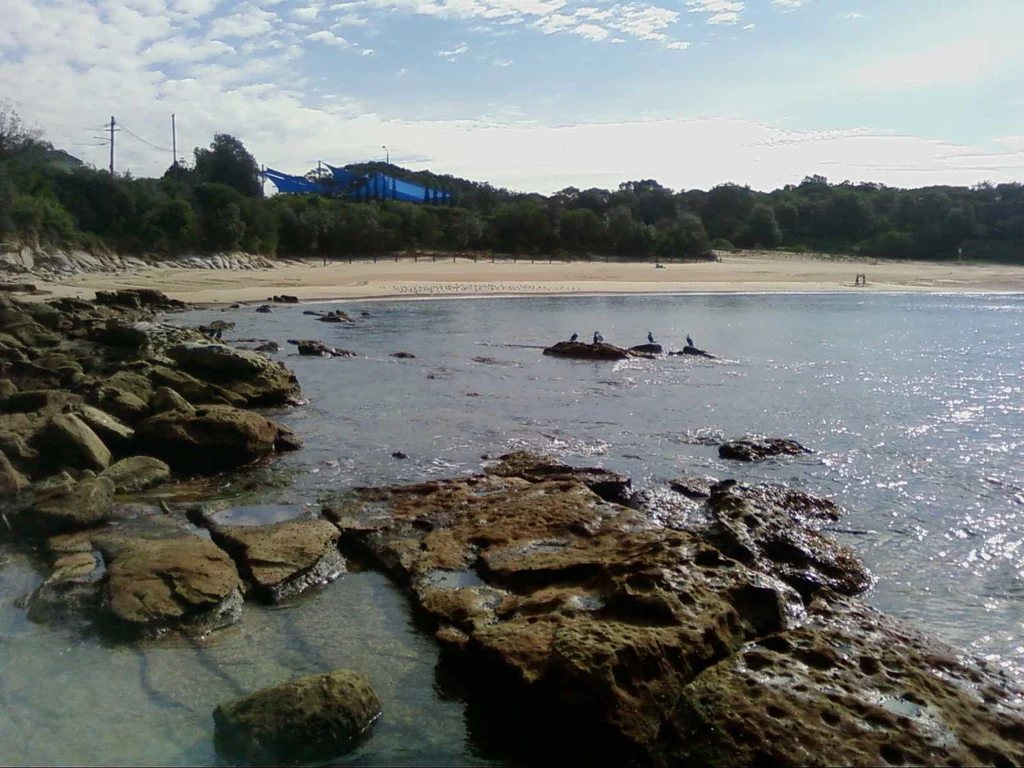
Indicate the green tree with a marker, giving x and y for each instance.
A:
(228, 162)
(764, 229)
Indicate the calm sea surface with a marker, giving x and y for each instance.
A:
(912, 403)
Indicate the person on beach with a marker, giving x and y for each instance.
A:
(598, 338)
(650, 337)
(574, 337)
(689, 341)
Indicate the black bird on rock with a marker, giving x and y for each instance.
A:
(574, 337)
(689, 341)
(598, 338)
(650, 337)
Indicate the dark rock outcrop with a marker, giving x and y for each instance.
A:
(211, 438)
(647, 349)
(577, 350)
(609, 485)
(137, 473)
(313, 348)
(250, 375)
(759, 449)
(311, 718)
(404, 355)
(695, 352)
(139, 298)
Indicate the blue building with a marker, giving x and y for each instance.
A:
(353, 186)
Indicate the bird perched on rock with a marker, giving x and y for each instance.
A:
(650, 337)
(689, 341)
(598, 338)
(574, 337)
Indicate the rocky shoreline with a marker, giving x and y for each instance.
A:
(708, 622)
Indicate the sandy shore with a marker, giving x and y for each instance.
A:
(757, 272)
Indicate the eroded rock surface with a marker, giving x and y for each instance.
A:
(759, 449)
(578, 350)
(606, 483)
(636, 636)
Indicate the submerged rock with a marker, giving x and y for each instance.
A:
(759, 449)
(314, 348)
(312, 718)
(647, 349)
(688, 350)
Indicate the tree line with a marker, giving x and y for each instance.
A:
(217, 204)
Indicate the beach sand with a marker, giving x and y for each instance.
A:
(425, 278)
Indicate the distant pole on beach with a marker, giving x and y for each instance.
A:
(387, 154)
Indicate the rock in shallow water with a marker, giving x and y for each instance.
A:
(313, 718)
(581, 623)
(759, 449)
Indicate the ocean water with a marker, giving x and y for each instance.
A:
(912, 403)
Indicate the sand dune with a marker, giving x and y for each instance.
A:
(463, 277)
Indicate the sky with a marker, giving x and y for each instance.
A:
(536, 95)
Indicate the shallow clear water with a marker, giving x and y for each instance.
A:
(913, 404)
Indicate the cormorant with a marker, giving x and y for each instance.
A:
(574, 337)
(650, 337)
(689, 341)
(598, 338)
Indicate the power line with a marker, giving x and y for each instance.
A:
(147, 143)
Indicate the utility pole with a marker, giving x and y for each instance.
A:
(111, 145)
(174, 147)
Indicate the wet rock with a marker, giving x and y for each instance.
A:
(319, 349)
(261, 381)
(335, 317)
(11, 480)
(609, 485)
(66, 440)
(669, 508)
(269, 346)
(32, 334)
(850, 687)
(71, 591)
(191, 388)
(572, 615)
(311, 718)
(772, 528)
(759, 449)
(264, 309)
(695, 487)
(134, 382)
(115, 434)
(60, 506)
(647, 349)
(137, 473)
(577, 350)
(688, 350)
(404, 355)
(399, 455)
(145, 338)
(212, 438)
(166, 399)
(162, 576)
(283, 559)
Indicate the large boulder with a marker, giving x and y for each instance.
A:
(162, 576)
(62, 506)
(251, 375)
(32, 334)
(167, 399)
(211, 438)
(283, 559)
(139, 298)
(43, 401)
(114, 433)
(122, 404)
(191, 388)
(312, 718)
(137, 473)
(313, 348)
(759, 449)
(66, 440)
(577, 350)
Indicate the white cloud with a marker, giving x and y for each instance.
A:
(961, 63)
(503, 62)
(308, 12)
(460, 49)
(749, 26)
(676, 45)
(328, 37)
(176, 50)
(852, 16)
(591, 32)
(790, 5)
(721, 11)
(250, 21)
(367, 52)
(351, 20)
